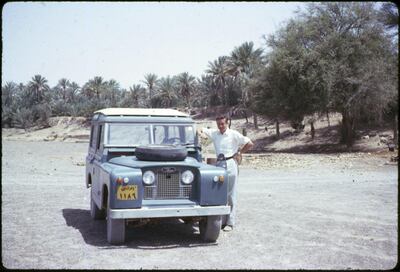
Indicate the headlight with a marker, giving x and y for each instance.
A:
(149, 177)
(187, 177)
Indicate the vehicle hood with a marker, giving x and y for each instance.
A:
(132, 161)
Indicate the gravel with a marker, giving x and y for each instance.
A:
(294, 212)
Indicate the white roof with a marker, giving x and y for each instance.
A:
(141, 112)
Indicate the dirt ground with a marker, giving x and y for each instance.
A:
(295, 211)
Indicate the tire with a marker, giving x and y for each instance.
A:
(115, 230)
(95, 212)
(161, 153)
(210, 228)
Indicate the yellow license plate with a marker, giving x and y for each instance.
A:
(127, 192)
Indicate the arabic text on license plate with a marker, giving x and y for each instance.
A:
(127, 192)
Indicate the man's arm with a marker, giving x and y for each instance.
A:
(245, 148)
(204, 132)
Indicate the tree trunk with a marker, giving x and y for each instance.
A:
(245, 116)
(278, 134)
(312, 130)
(395, 132)
(347, 129)
(255, 120)
(327, 117)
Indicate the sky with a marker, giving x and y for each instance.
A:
(126, 40)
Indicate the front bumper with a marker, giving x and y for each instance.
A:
(175, 211)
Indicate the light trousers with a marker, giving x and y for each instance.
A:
(232, 180)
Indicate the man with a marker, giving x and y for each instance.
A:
(232, 144)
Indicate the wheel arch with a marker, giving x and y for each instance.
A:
(88, 180)
(104, 197)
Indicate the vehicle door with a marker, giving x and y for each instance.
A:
(90, 155)
(98, 146)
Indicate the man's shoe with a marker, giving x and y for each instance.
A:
(228, 228)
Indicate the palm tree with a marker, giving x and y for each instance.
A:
(112, 90)
(73, 90)
(186, 84)
(63, 85)
(38, 85)
(94, 86)
(243, 63)
(243, 59)
(7, 93)
(205, 95)
(218, 69)
(167, 93)
(150, 80)
(137, 93)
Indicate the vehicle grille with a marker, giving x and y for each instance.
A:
(167, 186)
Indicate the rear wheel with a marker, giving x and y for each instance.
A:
(210, 228)
(95, 212)
(115, 230)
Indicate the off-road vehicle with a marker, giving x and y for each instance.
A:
(146, 164)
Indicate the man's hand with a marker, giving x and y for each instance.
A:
(238, 157)
(201, 134)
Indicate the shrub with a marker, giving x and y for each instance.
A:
(23, 118)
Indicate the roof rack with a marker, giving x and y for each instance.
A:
(141, 112)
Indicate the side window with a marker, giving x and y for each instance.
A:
(99, 136)
(91, 136)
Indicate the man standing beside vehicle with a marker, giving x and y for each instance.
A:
(232, 145)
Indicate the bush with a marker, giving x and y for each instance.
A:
(60, 108)
(42, 113)
(6, 117)
(24, 118)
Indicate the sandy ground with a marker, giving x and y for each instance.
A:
(295, 211)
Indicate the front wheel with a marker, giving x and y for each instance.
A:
(115, 230)
(210, 228)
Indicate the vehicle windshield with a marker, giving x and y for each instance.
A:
(128, 134)
(139, 134)
(173, 134)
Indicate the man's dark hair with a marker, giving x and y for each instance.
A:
(220, 117)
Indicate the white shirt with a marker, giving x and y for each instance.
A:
(227, 143)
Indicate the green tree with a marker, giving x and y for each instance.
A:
(334, 55)
(205, 95)
(112, 92)
(38, 86)
(297, 69)
(244, 59)
(136, 96)
(186, 86)
(243, 62)
(62, 88)
(151, 81)
(219, 71)
(73, 92)
(94, 87)
(356, 51)
(167, 95)
(8, 92)
(8, 97)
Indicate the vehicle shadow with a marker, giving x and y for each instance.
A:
(168, 233)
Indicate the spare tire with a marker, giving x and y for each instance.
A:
(161, 152)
